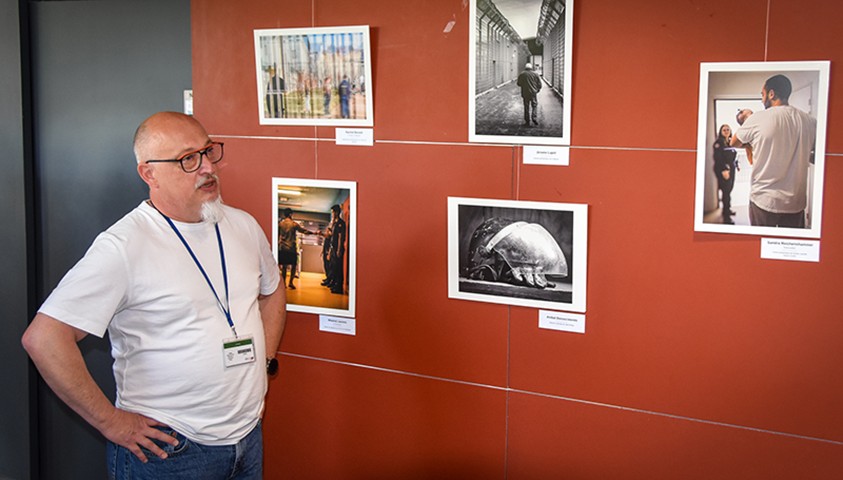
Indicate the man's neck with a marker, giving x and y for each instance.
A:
(179, 217)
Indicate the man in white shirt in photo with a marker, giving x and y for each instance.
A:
(781, 139)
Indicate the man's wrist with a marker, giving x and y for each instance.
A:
(271, 366)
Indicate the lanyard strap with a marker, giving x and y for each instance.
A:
(226, 309)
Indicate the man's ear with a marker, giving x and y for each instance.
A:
(772, 94)
(147, 174)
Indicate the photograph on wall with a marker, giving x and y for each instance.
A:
(761, 148)
(315, 243)
(314, 76)
(520, 71)
(530, 254)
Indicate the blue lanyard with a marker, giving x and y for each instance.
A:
(226, 309)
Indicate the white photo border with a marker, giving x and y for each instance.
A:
(705, 137)
(351, 225)
(579, 248)
(260, 69)
(565, 139)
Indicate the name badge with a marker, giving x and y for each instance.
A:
(237, 351)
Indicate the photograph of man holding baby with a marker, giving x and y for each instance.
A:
(761, 148)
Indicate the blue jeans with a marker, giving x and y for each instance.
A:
(190, 460)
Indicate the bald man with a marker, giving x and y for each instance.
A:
(188, 291)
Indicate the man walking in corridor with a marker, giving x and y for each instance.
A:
(530, 84)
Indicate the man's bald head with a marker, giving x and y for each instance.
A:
(153, 132)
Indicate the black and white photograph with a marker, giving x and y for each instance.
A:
(761, 148)
(314, 76)
(520, 71)
(522, 253)
(315, 243)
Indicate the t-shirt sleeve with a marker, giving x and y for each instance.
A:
(93, 290)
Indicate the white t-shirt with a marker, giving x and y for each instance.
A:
(782, 139)
(139, 282)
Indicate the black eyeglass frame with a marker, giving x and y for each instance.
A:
(203, 152)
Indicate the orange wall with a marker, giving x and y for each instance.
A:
(700, 359)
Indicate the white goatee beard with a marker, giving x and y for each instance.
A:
(212, 211)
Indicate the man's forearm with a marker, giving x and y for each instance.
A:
(52, 345)
(53, 348)
(273, 309)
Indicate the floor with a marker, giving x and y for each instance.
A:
(309, 291)
(501, 112)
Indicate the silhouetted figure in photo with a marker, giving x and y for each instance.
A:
(345, 94)
(336, 251)
(288, 251)
(326, 96)
(275, 95)
(326, 255)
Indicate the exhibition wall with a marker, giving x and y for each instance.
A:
(699, 358)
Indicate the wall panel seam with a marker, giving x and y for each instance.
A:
(459, 144)
(467, 144)
(508, 390)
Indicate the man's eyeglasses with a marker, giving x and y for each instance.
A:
(191, 161)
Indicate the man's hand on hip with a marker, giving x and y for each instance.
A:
(133, 431)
